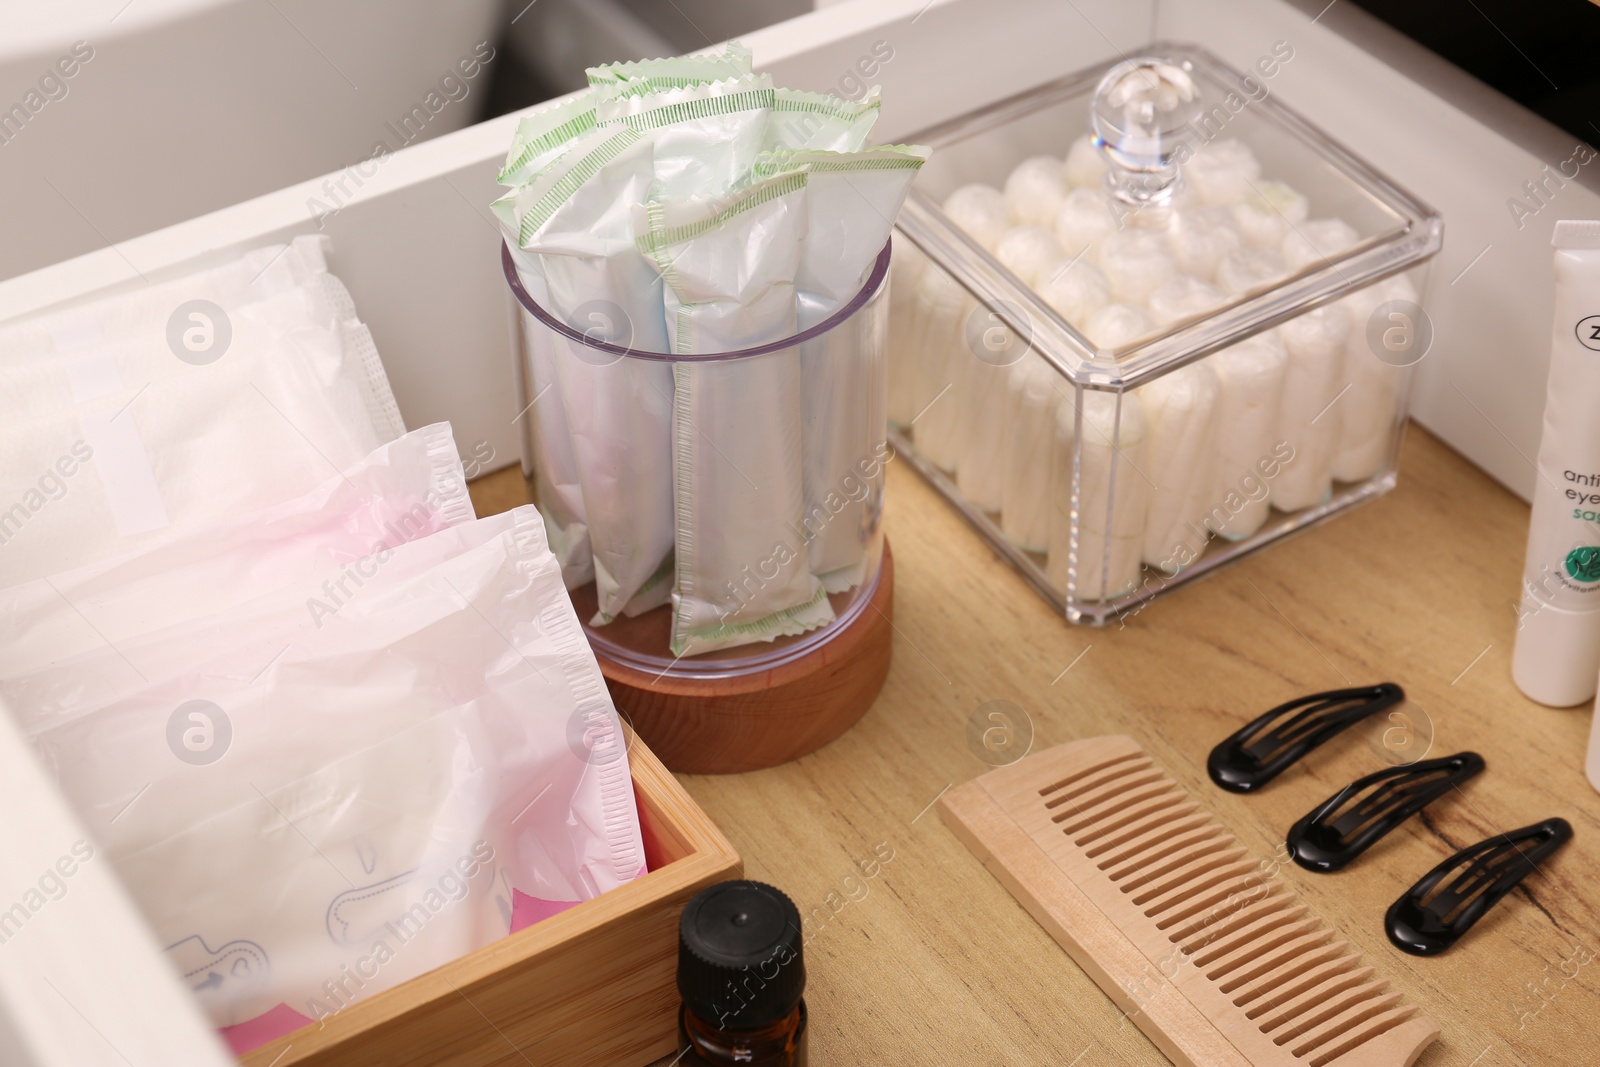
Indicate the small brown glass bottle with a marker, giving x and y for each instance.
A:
(742, 978)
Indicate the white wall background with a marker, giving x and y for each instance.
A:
(190, 105)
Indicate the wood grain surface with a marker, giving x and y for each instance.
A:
(762, 719)
(926, 959)
(1203, 945)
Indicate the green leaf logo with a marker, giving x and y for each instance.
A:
(1584, 564)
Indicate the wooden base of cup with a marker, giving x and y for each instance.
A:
(726, 726)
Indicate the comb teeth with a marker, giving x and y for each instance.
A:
(1275, 982)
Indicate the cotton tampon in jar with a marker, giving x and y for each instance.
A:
(1251, 377)
(1036, 391)
(981, 211)
(1035, 190)
(1308, 415)
(1181, 410)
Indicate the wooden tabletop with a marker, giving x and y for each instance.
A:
(929, 961)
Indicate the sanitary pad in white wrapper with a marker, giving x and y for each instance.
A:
(742, 567)
(322, 546)
(115, 432)
(366, 797)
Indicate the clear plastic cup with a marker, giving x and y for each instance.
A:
(842, 365)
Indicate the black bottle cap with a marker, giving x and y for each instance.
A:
(739, 962)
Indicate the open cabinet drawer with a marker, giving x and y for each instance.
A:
(414, 242)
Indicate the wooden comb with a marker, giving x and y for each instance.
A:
(1198, 943)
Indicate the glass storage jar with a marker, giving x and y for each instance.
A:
(1147, 320)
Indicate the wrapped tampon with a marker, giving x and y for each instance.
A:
(1269, 214)
(852, 199)
(1085, 167)
(1222, 172)
(742, 571)
(1035, 191)
(1182, 298)
(821, 122)
(1251, 374)
(1113, 494)
(544, 133)
(1200, 237)
(704, 138)
(943, 309)
(1315, 240)
(1308, 413)
(731, 60)
(557, 483)
(557, 488)
(1077, 290)
(576, 216)
(1367, 412)
(905, 272)
(1083, 221)
(1036, 390)
(1179, 457)
(981, 211)
(1136, 263)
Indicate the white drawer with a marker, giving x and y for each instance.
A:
(414, 241)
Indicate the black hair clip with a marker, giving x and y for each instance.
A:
(1256, 754)
(1347, 823)
(1427, 920)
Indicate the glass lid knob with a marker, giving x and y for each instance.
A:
(1141, 108)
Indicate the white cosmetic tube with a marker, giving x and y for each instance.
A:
(1557, 650)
